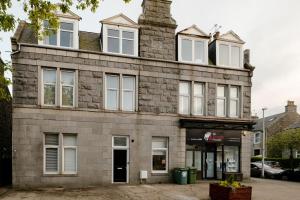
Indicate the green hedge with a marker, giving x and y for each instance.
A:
(284, 162)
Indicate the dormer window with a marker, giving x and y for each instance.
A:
(193, 46)
(229, 55)
(120, 41)
(227, 50)
(120, 35)
(66, 35)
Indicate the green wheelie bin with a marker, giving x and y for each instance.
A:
(181, 175)
(192, 175)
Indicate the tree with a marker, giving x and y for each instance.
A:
(285, 140)
(4, 82)
(38, 11)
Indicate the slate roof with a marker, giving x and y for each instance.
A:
(294, 125)
(87, 40)
(268, 121)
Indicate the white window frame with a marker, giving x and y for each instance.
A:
(187, 95)
(63, 153)
(43, 88)
(62, 85)
(221, 98)
(75, 34)
(255, 136)
(194, 40)
(120, 91)
(121, 29)
(127, 90)
(58, 87)
(236, 99)
(51, 147)
(202, 97)
(166, 149)
(230, 44)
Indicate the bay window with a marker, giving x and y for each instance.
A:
(120, 92)
(159, 155)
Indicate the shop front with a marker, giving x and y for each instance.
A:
(214, 148)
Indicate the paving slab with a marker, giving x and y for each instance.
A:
(263, 189)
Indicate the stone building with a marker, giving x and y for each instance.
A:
(5, 132)
(273, 125)
(136, 99)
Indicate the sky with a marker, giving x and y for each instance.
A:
(270, 28)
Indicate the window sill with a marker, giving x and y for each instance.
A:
(57, 107)
(120, 54)
(49, 45)
(60, 175)
(159, 173)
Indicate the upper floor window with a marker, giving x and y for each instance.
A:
(228, 101)
(194, 101)
(120, 40)
(230, 55)
(257, 138)
(52, 88)
(120, 92)
(192, 50)
(65, 36)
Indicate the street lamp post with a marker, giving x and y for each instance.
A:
(264, 145)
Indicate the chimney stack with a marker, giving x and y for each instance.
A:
(157, 30)
(290, 107)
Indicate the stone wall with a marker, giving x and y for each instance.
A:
(157, 30)
(90, 93)
(158, 81)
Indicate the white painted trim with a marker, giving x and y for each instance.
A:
(44, 153)
(167, 156)
(230, 44)
(121, 29)
(193, 39)
(75, 23)
(63, 147)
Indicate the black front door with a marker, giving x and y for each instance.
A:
(120, 165)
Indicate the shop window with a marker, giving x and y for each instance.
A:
(159, 155)
(231, 158)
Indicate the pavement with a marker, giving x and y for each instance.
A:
(263, 189)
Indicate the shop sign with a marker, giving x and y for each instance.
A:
(213, 137)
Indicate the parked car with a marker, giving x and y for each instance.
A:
(291, 175)
(270, 172)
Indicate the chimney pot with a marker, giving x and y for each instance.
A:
(290, 107)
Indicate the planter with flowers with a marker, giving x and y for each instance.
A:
(229, 190)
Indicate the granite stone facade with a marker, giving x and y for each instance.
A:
(157, 104)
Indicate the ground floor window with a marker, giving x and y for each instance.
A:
(231, 158)
(60, 157)
(256, 152)
(159, 155)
